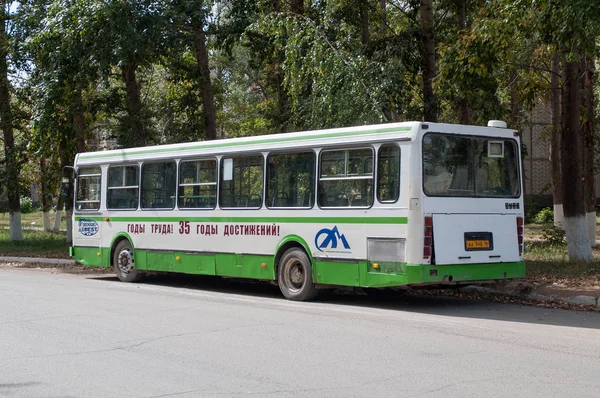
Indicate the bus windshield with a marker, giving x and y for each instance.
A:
(468, 166)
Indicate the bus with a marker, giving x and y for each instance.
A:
(401, 205)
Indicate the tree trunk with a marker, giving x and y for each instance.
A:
(79, 120)
(277, 78)
(589, 145)
(464, 113)
(58, 215)
(575, 221)
(428, 53)
(208, 102)
(515, 114)
(364, 23)
(555, 142)
(297, 7)
(67, 159)
(6, 123)
(134, 106)
(46, 197)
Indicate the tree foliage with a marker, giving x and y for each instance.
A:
(86, 74)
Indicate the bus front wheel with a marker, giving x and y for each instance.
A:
(295, 276)
(124, 263)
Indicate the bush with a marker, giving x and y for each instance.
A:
(26, 205)
(544, 216)
(531, 210)
(554, 236)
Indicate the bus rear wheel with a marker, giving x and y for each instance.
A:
(123, 262)
(295, 276)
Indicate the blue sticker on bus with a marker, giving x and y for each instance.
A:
(88, 227)
(330, 239)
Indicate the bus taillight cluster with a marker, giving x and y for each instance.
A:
(520, 234)
(427, 237)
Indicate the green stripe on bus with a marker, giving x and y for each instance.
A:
(289, 220)
(272, 139)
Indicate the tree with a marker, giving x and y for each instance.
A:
(589, 145)
(428, 54)
(6, 124)
(573, 28)
(190, 21)
(555, 102)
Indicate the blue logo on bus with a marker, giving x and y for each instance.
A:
(88, 227)
(328, 239)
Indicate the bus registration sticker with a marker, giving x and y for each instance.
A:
(478, 241)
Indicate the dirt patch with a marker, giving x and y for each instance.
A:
(67, 268)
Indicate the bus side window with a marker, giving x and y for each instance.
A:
(88, 188)
(346, 178)
(158, 185)
(123, 187)
(198, 184)
(388, 173)
(243, 187)
(290, 179)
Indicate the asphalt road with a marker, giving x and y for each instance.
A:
(64, 335)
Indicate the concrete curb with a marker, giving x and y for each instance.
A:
(58, 261)
(577, 300)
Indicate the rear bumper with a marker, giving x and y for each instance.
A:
(440, 274)
(416, 275)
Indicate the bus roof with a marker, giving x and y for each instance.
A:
(307, 139)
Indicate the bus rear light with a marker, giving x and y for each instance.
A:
(520, 234)
(426, 252)
(427, 237)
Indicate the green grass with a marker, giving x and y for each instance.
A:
(30, 220)
(35, 244)
(550, 263)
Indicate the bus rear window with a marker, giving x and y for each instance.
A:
(464, 166)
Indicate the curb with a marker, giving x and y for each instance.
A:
(577, 300)
(41, 260)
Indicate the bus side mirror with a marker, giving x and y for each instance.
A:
(65, 188)
(66, 184)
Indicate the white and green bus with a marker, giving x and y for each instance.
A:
(401, 205)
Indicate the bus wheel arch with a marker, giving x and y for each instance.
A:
(122, 260)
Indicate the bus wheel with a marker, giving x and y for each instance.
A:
(124, 263)
(295, 276)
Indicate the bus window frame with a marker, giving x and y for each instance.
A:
(141, 187)
(318, 176)
(399, 192)
(139, 199)
(232, 155)
(217, 176)
(76, 190)
(472, 136)
(314, 180)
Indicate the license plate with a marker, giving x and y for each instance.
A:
(479, 241)
(478, 244)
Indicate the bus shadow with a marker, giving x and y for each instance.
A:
(417, 302)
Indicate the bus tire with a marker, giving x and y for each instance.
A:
(123, 261)
(294, 276)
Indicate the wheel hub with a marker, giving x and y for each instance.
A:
(125, 261)
(296, 275)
